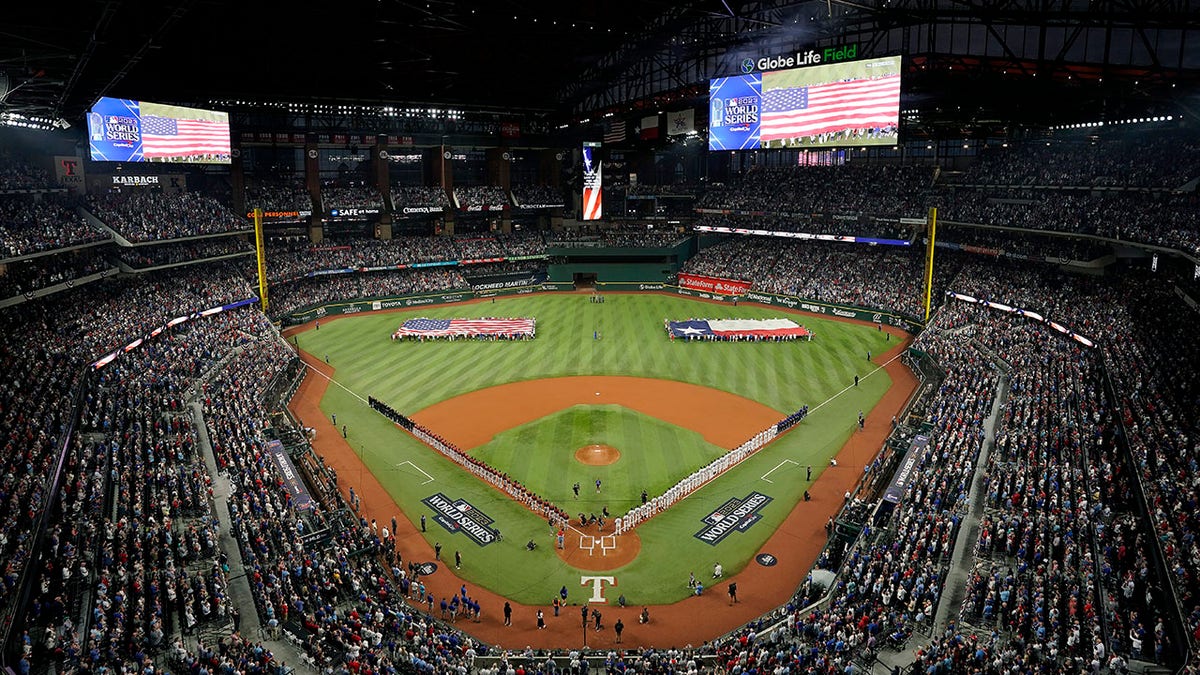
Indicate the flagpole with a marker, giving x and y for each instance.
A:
(932, 232)
(261, 256)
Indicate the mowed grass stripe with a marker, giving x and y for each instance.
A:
(411, 376)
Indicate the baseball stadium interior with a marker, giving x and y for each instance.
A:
(1009, 187)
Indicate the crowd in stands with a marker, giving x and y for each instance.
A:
(472, 247)
(621, 236)
(17, 173)
(132, 575)
(996, 190)
(150, 215)
(31, 225)
(854, 189)
(488, 271)
(671, 189)
(530, 195)
(129, 555)
(278, 195)
(38, 379)
(524, 242)
(293, 259)
(840, 225)
(123, 309)
(1035, 579)
(1064, 567)
(882, 277)
(488, 196)
(1063, 577)
(1164, 220)
(318, 290)
(891, 579)
(1155, 162)
(1156, 374)
(27, 276)
(418, 196)
(139, 503)
(1023, 244)
(352, 195)
(183, 252)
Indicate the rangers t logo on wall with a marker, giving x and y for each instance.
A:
(735, 514)
(460, 516)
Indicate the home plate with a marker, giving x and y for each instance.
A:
(597, 393)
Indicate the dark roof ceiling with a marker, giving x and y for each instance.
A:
(513, 53)
(506, 54)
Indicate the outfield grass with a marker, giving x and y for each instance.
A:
(410, 376)
(654, 456)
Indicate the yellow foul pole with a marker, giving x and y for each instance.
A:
(261, 254)
(932, 232)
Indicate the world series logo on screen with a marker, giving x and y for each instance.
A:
(125, 130)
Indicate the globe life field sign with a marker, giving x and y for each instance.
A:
(810, 57)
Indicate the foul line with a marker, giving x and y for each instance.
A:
(786, 461)
(418, 469)
(347, 389)
(849, 387)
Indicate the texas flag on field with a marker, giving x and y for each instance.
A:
(728, 328)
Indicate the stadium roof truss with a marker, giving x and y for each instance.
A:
(1124, 43)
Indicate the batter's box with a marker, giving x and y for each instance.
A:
(608, 543)
(587, 543)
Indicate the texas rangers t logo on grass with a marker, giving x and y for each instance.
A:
(460, 516)
(735, 514)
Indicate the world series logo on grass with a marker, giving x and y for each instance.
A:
(460, 516)
(735, 514)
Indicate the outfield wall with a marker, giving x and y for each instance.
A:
(304, 315)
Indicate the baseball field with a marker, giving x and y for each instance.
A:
(601, 394)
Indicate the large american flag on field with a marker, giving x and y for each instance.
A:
(795, 112)
(464, 327)
(170, 137)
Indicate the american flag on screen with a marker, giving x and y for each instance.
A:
(464, 327)
(593, 183)
(825, 108)
(170, 137)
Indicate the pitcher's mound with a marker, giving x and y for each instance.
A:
(597, 455)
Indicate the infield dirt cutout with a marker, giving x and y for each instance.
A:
(797, 541)
(597, 455)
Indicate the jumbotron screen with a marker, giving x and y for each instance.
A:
(124, 130)
(839, 104)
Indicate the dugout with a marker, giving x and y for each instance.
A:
(585, 263)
